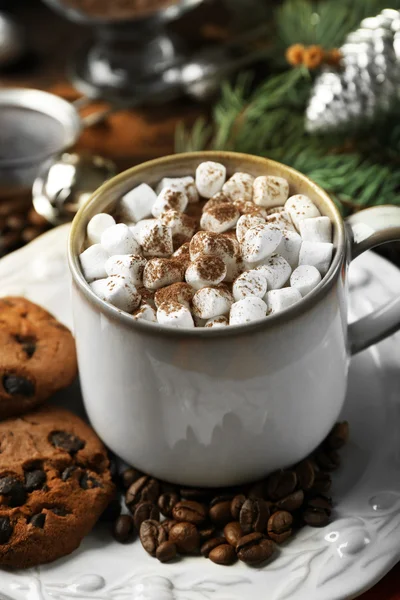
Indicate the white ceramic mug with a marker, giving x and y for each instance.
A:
(224, 406)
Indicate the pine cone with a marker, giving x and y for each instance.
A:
(367, 82)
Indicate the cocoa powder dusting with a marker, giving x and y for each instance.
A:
(223, 212)
(210, 268)
(176, 292)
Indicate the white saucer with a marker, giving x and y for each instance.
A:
(338, 562)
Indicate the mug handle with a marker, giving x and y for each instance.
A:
(367, 229)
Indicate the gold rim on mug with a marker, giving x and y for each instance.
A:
(106, 197)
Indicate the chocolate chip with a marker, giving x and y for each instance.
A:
(123, 530)
(34, 480)
(16, 385)
(166, 551)
(67, 473)
(87, 482)
(66, 441)
(38, 520)
(28, 344)
(13, 490)
(5, 530)
(59, 511)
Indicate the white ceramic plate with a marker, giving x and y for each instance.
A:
(341, 561)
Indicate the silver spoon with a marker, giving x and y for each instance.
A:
(66, 182)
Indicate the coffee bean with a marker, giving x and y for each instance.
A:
(144, 489)
(328, 460)
(186, 537)
(152, 535)
(258, 490)
(166, 551)
(87, 482)
(167, 525)
(236, 505)
(198, 494)
(166, 503)
(222, 498)
(34, 480)
(318, 511)
(322, 483)
(145, 511)
(281, 484)
(66, 441)
(190, 511)
(338, 437)
(233, 532)
(305, 474)
(16, 385)
(13, 490)
(112, 512)
(292, 502)
(280, 526)
(254, 515)
(209, 545)
(28, 344)
(254, 549)
(130, 476)
(220, 513)
(38, 520)
(223, 555)
(206, 531)
(6, 530)
(123, 530)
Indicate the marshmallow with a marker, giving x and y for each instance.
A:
(138, 203)
(147, 296)
(155, 238)
(220, 218)
(250, 283)
(246, 310)
(239, 187)
(305, 278)
(276, 271)
(160, 272)
(301, 207)
(119, 291)
(175, 315)
(260, 242)
(182, 254)
(216, 322)
(270, 191)
(318, 229)
(281, 220)
(183, 184)
(119, 239)
(234, 267)
(169, 199)
(210, 302)
(93, 261)
(212, 244)
(216, 200)
(176, 292)
(316, 254)
(205, 271)
(145, 313)
(278, 300)
(290, 246)
(179, 223)
(129, 265)
(245, 223)
(210, 177)
(97, 225)
(249, 208)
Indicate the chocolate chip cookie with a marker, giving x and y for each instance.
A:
(37, 358)
(55, 483)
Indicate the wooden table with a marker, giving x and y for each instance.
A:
(128, 137)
